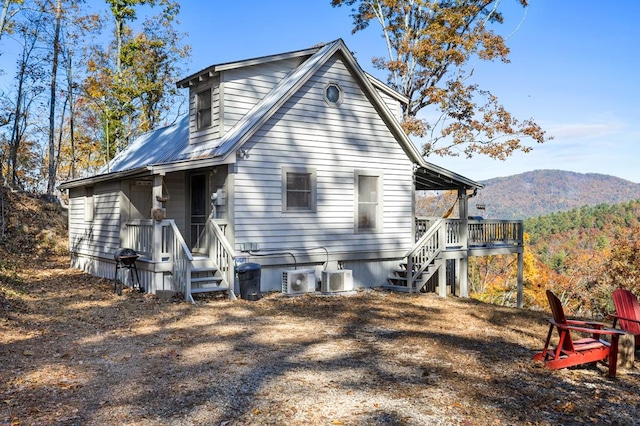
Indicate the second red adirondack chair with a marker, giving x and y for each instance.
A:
(627, 312)
(569, 352)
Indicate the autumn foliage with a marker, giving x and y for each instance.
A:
(430, 45)
(582, 255)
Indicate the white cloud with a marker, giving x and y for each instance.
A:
(583, 130)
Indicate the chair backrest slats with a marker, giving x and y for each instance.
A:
(559, 317)
(626, 304)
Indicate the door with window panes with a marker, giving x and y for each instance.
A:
(198, 211)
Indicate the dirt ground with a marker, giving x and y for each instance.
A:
(74, 353)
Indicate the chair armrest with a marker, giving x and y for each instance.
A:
(588, 330)
(612, 331)
(623, 318)
(594, 324)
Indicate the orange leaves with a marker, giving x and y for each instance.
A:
(430, 44)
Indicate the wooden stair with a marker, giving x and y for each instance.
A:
(399, 280)
(206, 278)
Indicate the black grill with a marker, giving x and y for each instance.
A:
(126, 258)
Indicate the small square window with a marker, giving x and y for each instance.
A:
(203, 109)
(299, 190)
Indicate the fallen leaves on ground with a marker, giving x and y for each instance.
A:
(75, 353)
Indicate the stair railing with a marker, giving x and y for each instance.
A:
(222, 254)
(426, 249)
(175, 249)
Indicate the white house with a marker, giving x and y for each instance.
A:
(296, 162)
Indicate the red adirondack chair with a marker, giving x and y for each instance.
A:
(627, 312)
(569, 352)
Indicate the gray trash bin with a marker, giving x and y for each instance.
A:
(249, 280)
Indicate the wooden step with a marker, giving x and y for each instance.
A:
(203, 269)
(208, 279)
(402, 281)
(399, 288)
(209, 289)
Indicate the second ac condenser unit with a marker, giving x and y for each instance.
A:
(339, 280)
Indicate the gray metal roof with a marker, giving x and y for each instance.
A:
(156, 147)
(169, 149)
(213, 69)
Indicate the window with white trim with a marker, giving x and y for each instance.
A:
(203, 109)
(368, 203)
(89, 205)
(298, 189)
(333, 94)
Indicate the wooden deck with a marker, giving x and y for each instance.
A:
(480, 234)
(440, 240)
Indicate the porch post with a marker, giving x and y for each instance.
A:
(463, 207)
(156, 255)
(442, 278)
(520, 301)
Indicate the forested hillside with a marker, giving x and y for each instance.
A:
(582, 254)
(542, 192)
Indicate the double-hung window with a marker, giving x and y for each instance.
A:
(299, 189)
(89, 205)
(203, 109)
(368, 201)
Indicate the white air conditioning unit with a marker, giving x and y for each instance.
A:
(298, 281)
(339, 280)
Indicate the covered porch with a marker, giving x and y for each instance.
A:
(454, 240)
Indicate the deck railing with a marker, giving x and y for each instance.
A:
(173, 248)
(486, 232)
(139, 236)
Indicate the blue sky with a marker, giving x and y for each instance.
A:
(573, 69)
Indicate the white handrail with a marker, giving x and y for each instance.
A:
(222, 253)
(425, 251)
(177, 251)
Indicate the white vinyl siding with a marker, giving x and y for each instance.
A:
(245, 87)
(100, 237)
(392, 103)
(335, 141)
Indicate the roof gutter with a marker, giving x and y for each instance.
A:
(147, 170)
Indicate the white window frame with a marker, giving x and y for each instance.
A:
(330, 102)
(311, 172)
(89, 204)
(377, 227)
(200, 110)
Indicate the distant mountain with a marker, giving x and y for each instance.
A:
(541, 192)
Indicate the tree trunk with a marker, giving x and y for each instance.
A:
(71, 116)
(52, 109)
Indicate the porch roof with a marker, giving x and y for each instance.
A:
(430, 177)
